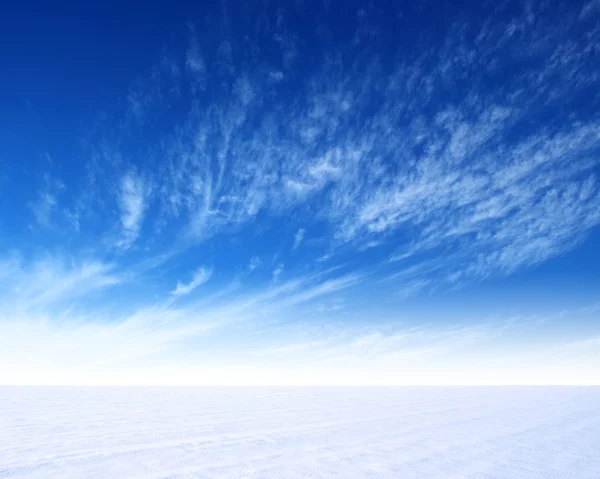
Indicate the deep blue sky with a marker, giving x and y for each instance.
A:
(307, 192)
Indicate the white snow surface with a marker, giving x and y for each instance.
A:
(301, 432)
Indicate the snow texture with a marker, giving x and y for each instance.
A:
(346, 433)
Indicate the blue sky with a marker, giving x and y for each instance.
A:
(300, 193)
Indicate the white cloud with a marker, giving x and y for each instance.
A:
(299, 237)
(276, 76)
(255, 262)
(133, 201)
(324, 288)
(277, 272)
(201, 276)
(589, 8)
(47, 203)
(66, 343)
(43, 208)
(195, 62)
(48, 283)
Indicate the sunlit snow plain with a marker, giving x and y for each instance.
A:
(177, 432)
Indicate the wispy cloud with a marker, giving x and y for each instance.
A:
(277, 272)
(133, 201)
(61, 342)
(428, 152)
(194, 61)
(201, 276)
(299, 237)
(423, 169)
(255, 262)
(46, 204)
(52, 282)
(43, 208)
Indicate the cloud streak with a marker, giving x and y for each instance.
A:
(201, 276)
(133, 197)
(298, 238)
(52, 283)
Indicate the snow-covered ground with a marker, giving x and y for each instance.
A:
(300, 432)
